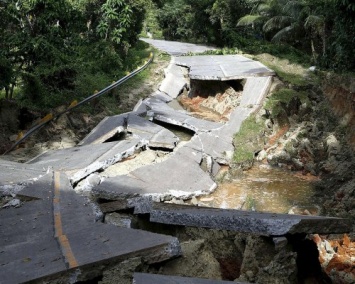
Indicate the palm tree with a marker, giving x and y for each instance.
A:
(289, 21)
(259, 14)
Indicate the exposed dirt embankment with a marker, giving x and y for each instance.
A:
(340, 91)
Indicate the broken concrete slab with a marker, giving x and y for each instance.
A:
(211, 144)
(117, 205)
(14, 177)
(145, 278)
(14, 173)
(177, 48)
(160, 111)
(161, 96)
(158, 136)
(106, 129)
(26, 231)
(255, 90)
(266, 224)
(173, 85)
(140, 108)
(154, 135)
(164, 139)
(178, 71)
(153, 180)
(175, 80)
(50, 237)
(82, 161)
(222, 67)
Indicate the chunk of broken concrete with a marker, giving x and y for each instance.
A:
(164, 113)
(154, 180)
(155, 135)
(145, 278)
(79, 162)
(13, 203)
(266, 224)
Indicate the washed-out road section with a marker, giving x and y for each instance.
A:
(52, 232)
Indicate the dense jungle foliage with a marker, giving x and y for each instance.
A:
(56, 50)
(323, 29)
(52, 51)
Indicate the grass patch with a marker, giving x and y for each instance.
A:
(283, 97)
(248, 140)
(288, 77)
(245, 45)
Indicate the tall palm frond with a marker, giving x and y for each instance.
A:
(263, 9)
(250, 20)
(283, 33)
(293, 8)
(256, 4)
(276, 23)
(315, 22)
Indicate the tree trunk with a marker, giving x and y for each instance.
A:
(11, 91)
(314, 55)
(6, 92)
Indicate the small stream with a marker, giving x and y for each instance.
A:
(267, 189)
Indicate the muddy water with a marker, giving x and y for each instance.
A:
(266, 189)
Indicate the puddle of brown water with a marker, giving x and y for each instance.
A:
(265, 189)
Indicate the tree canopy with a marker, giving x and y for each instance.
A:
(52, 47)
(324, 29)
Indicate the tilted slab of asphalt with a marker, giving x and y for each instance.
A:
(14, 177)
(80, 162)
(13, 173)
(54, 235)
(254, 91)
(159, 180)
(161, 96)
(175, 80)
(164, 113)
(222, 67)
(29, 249)
(145, 278)
(155, 135)
(175, 48)
(106, 129)
(266, 224)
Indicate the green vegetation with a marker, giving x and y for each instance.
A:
(287, 77)
(318, 32)
(248, 140)
(283, 97)
(55, 51)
